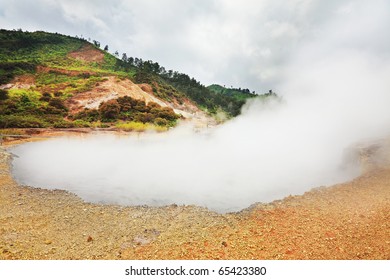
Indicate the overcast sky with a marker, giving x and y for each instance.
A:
(246, 43)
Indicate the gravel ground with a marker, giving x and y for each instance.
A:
(346, 221)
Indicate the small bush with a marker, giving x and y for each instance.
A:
(109, 110)
(53, 110)
(9, 106)
(161, 122)
(127, 103)
(45, 97)
(84, 75)
(58, 103)
(89, 115)
(81, 123)
(3, 95)
(168, 113)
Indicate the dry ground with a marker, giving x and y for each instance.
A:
(346, 221)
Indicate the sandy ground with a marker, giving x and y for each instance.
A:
(346, 221)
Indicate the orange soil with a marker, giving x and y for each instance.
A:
(88, 53)
(346, 221)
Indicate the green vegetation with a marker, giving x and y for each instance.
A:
(240, 95)
(174, 87)
(58, 67)
(45, 59)
(21, 121)
(8, 70)
(205, 98)
(29, 108)
(237, 93)
(23, 51)
(140, 127)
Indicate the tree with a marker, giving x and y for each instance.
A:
(96, 43)
(138, 62)
(162, 71)
(106, 48)
(124, 57)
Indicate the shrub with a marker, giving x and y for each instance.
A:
(141, 106)
(153, 105)
(3, 95)
(24, 99)
(109, 110)
(58, 103)
(161, 122)
(81, 123)
(9, 106)
(89, 115)
(103, 125)
(145, 117)
(127, 103)
(168, 113)
(53, 110)
(84, 75)
(45, 97)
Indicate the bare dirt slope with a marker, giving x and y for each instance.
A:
(110, 88)
(88, 53)
(346, 221)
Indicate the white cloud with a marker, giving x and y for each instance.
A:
(245, 43)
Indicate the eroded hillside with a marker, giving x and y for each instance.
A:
(50, 80)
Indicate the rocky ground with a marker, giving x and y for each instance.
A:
(346, 221)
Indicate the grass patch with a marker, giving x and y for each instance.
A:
(140, 127)
(12, 131)
(54, 78)
(32, 95)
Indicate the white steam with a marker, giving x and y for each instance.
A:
(335, 94)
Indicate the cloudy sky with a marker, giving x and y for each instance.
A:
(246, 43)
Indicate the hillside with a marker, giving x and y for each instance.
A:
(53, 80)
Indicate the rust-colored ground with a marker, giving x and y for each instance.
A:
(88, 53)
(347, 221)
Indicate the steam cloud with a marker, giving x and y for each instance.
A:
(335, 93)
